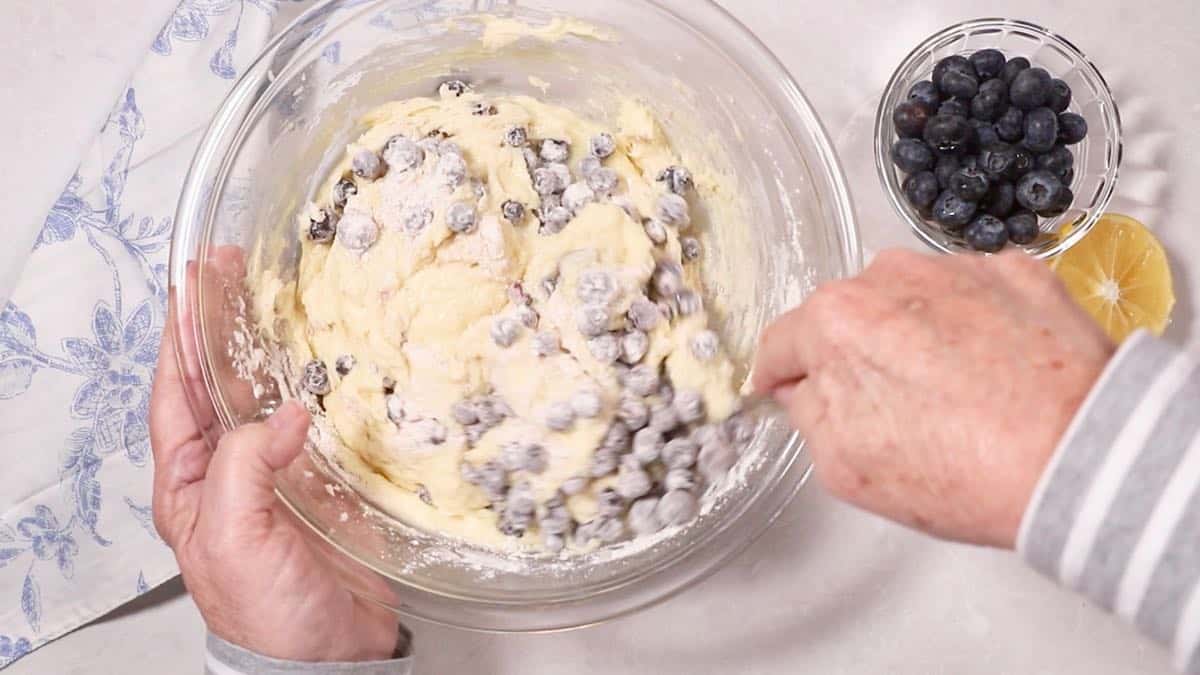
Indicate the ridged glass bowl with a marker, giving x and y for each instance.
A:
(285, 123)
(1097, 157)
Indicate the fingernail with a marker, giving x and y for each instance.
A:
(283, 416)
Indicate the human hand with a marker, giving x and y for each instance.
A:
(933, 391)
(256, 577)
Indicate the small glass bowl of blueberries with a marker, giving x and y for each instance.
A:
(996, 133)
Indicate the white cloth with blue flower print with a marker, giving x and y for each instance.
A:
(79, 338)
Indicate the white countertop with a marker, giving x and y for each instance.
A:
(828, 590)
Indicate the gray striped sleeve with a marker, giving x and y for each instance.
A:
(224, 658)
(1117, 513)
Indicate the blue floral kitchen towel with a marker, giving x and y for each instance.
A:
(79, 338)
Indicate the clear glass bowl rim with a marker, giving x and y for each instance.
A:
(891, 92)
(743, 47)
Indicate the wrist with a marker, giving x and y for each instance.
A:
(1059, 414)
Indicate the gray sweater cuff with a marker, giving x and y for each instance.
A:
(1116, 515)
(225, 658)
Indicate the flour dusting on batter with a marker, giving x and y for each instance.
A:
(498, 314)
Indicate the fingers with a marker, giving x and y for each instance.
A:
(181, 454)
(241, 478)
(174, 434)
(791, 347)
(171, 421)
(782, 357)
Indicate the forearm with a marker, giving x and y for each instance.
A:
(224, 658)
(1117, 513)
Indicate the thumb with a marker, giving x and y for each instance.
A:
(241, 477)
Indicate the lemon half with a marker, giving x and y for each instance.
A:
(1119, 273)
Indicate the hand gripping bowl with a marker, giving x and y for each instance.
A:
(282, 127)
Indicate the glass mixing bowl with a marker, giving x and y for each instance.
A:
(283, 126)
(1097, 157)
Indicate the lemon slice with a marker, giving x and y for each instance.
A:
(1120, 275)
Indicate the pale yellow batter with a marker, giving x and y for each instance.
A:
(411, 318)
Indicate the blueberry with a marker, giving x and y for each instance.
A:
(910, 118)
(921, 189)
(949, 134)
(634, 346)
(643, 314)
(958, 85)
(603, 181)
(460, 217)
(985, 132)
(322, 227)
(316, 378)
(997, 161)
(677, 507)
(481, 109)
(357, 231)
(672, 209)
(1062, 202)
(1030, 89)
(1000, 199)
(1059, 161)
(453, 88)
(655, 231)
(577, 196)
(1022, 162)
(589, 164)
(969, 162)
(951, 212)
(1041, 130)
(689, 405)
(505, 331)
(1010, 127)
(592, 320)
(946, 166)
(587, 403)
(1072, 128)
(602, 145)
(1022, 227)
(704, 345)
(667, 278)
(679, 180)
(954, 108)
(516, 137)
(1013, 68)
(1060, 96)
(911, 155)
(969, 184)
(990, 102)
(553, 150)
(513, 211)
(1039, 191)
(368, 164)
(596, 286)
(343, 191)
(680, 453)
(986, 233)
(996, 86)
(715, 460)
(987, 62)
(925, 93)
(547, 182)
(957, 64)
